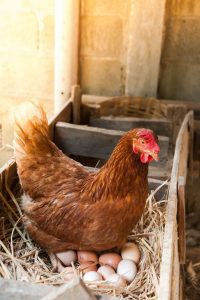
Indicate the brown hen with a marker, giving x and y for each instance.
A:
(68, 207)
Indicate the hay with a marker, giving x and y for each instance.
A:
(21, 259)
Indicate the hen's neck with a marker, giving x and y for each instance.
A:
(123, 170)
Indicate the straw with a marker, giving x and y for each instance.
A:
(21, 259)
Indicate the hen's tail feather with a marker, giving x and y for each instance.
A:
(31, 131)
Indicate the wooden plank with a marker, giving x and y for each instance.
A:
(76, 104)
(175, 271)
(181, 220)
(12, 289)
(191, 105)
(165, 286)
(64, 115)
(94, 142)
(159, 126)
(74, 290)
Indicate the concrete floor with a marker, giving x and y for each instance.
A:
(7, 105)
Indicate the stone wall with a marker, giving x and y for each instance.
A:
(180, 65)
(26, 49)
(121, 46)
(103, 46)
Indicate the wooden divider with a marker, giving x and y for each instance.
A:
(95, 142)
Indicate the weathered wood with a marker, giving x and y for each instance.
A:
(64, 115)
(76, 104)
(181, 220)
(196, 140)
(191, 105)
(160, 127)
(74, 290)
(11, 289)
(94, 142)
(175, 271)
(166, 274)
(8, 171)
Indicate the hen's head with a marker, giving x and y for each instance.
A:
(145, 144)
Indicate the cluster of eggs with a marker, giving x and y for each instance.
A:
(117, 270)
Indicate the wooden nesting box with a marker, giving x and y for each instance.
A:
(93, 138)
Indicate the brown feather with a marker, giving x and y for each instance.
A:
(68, 207)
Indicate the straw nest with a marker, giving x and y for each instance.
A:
(21, 259)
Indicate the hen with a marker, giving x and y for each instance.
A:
(68, 207)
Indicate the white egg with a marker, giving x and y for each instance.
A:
(131, 251)
(92, 276)
(69, 274)
(128, 269)
(116, 280)
(67, 257)
(106, 271)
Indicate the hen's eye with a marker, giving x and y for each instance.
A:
(143, 142)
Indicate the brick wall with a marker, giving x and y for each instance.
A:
(121, 46)
(180, 65)
(26, 49)
(103, 46)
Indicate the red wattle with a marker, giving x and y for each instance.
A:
(145, 158)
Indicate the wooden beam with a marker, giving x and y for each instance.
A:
(159, 126)
(146, 20)
(75, 289)
(76, 103)
(181, 220)
(94, 142)
(66, 50)
(64, 115)
(12, 289)
(170, 236)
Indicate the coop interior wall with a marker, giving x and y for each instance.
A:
(120, 50)
(180, 63)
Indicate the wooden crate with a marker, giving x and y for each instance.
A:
(69, 138)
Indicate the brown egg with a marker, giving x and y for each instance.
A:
(106, 271)
(110, 259)
(68, 274)
(131, 251)
(67, 257)
(87, 256)
(87, 266)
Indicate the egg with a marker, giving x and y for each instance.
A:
(106, 271)
(116, 280)
(87, 256)
(87, 266)
(110, 259)
(67, 257)
(131, 251)
(92, 276)
(128, 269)
(68, 274)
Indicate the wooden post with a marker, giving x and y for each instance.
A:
(76, 103)
(181, 219)
(66, 50)
(146, 27)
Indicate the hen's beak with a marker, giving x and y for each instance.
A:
(155, 156)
